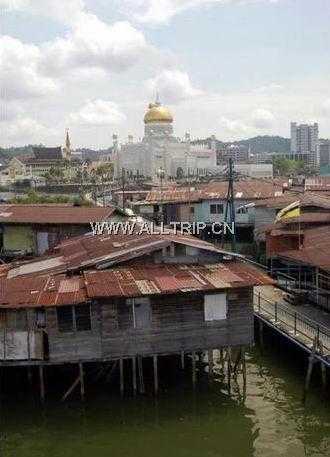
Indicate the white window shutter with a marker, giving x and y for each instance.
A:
(215, 307)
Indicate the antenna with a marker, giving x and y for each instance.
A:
(230, 207)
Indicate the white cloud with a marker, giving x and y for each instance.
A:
(20, 75)
(161, 11)
(66, 13)
(93, 43)
(262, 119)
(173, 86)
(233, 127)
(326, 107)
(98, 112)
(269, 88)
(25, 130)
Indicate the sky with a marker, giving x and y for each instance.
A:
(232, 68)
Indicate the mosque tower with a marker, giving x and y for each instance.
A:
(67, 147)
(158, 121)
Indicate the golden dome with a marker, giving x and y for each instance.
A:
(157, 113)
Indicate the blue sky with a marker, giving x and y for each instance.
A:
(231, 68)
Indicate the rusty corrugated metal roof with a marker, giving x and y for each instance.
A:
(140, 280)
(38, 291)
(132, 281)
(53, 214)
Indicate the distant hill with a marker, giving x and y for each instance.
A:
(257, 144)
(7, 153)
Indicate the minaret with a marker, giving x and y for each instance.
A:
(67, 145)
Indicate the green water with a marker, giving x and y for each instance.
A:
(271, 422)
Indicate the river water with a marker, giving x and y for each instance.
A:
(272, 421)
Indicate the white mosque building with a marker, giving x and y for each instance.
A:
(161, 150)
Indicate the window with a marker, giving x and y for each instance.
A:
(83, 318)
(242, 210)
(216, 208)
(65, 319)
(2, 318)
(215, 307)
(74, 318)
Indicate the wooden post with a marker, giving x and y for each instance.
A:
(82, 381)
(324, 376)
(121, 370)
(134, 374)
(140, 369)
(323, 368)
(261, 334)
(308, 376)
(244, 370)
(210, 360)
(193, 361)
(182, 360)
(229, 368)
(42, 383)
(155, 373)
(221, 361)
(29, 374)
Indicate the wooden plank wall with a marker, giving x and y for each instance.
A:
(177, 324)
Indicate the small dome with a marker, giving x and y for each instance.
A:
(157, 113)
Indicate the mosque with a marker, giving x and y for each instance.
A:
(161, 152)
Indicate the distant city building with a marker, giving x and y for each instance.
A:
(324, 153)
(305, 143)
(161, 150)
(239, 153)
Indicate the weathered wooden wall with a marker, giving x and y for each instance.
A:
(177, 323)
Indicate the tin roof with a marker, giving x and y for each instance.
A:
(100, 251)
(53, 214)
(315, 249)
(133, 281)
(243, 190)
(37, 291)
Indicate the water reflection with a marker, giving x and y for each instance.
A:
(271, 422)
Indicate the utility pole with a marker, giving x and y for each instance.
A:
(230, 207)
(123, 186)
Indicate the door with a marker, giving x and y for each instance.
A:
(142, 312)
(42, 242)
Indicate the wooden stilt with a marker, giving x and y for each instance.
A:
(323, 368)
(112, 370)
(134, 375)
(182, 360)
(229, 368)
(42, 383)
(261, 334)
(324, 376)
(141, 379)
(221, 360)
(210, 360)
(29, 374)
(237, 361)
(308, 376)
(121, 370)
(82, 381)
(244, 371)
(155, 360)
(71, 388)
(193, 361)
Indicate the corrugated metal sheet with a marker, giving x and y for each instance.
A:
(135, 280)
(53, 214)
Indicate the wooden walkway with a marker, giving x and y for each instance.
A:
(306, 326)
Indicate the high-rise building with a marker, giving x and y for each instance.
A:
(305, 143)
(324, 153)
